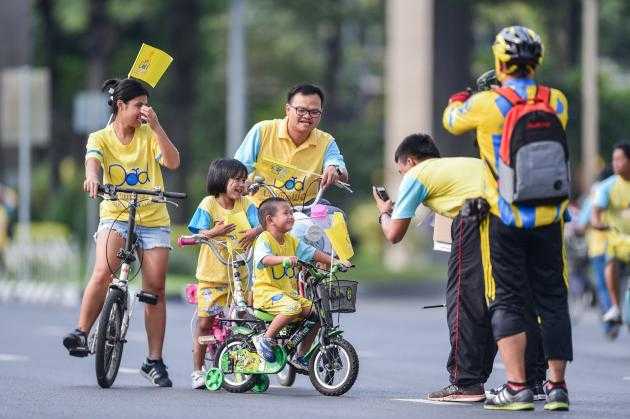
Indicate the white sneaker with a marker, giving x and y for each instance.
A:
(198, 379)
(613, 315)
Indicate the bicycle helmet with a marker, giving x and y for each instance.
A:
(519, 48)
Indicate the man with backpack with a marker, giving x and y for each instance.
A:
(521, 137)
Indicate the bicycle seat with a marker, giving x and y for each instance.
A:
(263, 315)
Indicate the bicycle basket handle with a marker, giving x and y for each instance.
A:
(187, 241)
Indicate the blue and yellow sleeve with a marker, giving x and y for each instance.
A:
(252, 214)
(461, 117)
(262, 248)
(201, 220)
(411, 194)
(602, 194)
(305, 252)
(94, 149)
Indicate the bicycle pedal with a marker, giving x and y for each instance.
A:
(147, 297)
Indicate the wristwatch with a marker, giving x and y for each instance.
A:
(339, 172)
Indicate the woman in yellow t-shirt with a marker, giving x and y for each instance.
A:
(130, 151)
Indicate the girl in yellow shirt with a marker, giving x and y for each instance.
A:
(130, 151)
(224, 215)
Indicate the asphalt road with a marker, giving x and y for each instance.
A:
(402, 351)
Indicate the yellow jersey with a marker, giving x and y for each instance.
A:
(294, 171)
(269, 280)
(135, 165)
(485, 113)
(209, 212)
(441, 184)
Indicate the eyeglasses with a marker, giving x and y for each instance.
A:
(313, 113)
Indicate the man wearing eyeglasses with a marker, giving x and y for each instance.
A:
(291, 153)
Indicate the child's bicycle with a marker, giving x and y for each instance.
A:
(333, 361)
(305, 228)
(109, 335)
(233, 259)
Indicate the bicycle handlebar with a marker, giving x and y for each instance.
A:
(112, 190)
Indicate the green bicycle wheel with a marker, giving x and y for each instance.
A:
(261, 384)
(214, 379)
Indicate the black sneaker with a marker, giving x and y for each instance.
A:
(557, 397)
(454, 393)
(508, 399)
(76, 343)
(155, 372)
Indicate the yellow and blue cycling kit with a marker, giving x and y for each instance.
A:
(485, 112)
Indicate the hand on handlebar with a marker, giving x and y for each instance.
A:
(290, 261)
(248, 237)
(329, 177)
(91, 187)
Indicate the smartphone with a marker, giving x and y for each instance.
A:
(382, 193)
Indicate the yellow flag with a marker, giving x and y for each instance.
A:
(150, 65)
(339, 238)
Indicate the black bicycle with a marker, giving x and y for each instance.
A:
(109, 336)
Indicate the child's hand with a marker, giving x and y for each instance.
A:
(248, 237)
(220, 229)
(290, 261)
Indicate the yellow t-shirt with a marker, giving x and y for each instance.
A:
(270, 280)
(485, 113)
(441, 184)
(244, 215)
(134, 165)
(269, 151)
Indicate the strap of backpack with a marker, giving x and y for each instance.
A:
(543, 94)
(509, 94)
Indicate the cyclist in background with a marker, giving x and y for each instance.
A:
(225, 214)
(130, 151)
(611, 211)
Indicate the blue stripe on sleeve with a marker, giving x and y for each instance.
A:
(304, 252)
(602, 196)
(262, 248)
(247, 152)
(201, 220)
(410, 195)
(496, 145)
(252, 215)
(559, 107)
(503, 104)
(333, 157)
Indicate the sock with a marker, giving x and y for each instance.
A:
(514, 387)
(152, 361)
(555, 384)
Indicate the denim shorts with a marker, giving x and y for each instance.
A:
(148, 237)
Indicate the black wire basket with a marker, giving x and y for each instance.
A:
(339, 295)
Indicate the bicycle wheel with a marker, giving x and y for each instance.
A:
(235, 382)
(333, 369)
(109, 342)
(286, 377)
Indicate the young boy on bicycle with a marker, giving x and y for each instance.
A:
(223, 215)
(276, 255)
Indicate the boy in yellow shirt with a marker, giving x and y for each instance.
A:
(276, 255)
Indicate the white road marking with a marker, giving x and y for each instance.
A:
(625, 378)
(425, 401)
(13, 358)
(124, 370)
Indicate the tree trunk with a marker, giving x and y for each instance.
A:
(183, 30)
(453, 43)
